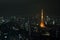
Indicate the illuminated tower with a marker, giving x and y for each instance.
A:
(42, 25)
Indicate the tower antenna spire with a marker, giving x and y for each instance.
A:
(42, 25)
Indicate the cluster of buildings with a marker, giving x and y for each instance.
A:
(47, 19)
(29, 24)
(21, 28)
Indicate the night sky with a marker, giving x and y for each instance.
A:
(29, 7)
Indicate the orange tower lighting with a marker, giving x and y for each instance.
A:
(42, 25)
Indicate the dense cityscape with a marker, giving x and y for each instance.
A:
(29, 20)
(27, 28)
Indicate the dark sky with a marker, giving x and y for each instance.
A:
(28, 7)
